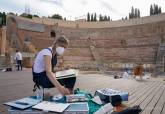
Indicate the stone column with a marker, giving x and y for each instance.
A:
(3, 43)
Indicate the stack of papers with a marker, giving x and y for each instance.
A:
(51, 106)
(76, 98)
(23, 103)
(107, 92)
(66, 73)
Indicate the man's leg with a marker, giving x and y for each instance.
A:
(17, 65)
(21, 64)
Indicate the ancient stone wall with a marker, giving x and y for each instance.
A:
(119, 44)
(0, 39)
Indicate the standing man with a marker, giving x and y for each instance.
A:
(18, 59)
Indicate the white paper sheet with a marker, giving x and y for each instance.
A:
(67, 73)
(51, 106)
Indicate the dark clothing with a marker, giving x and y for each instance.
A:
(19, 64)
(41, 79)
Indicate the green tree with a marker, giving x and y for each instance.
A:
(135, 13)
(100, 17)
(92, 18)
(132, 12)
(56, 16)
(151, 10)
(105, 18)
(155, 9)
(159, 10)
(35, 16)
(26, 15)
(108, 18)
(139, 13)
(3, 18)
(95, 17)
(0, 19)
(88, 17)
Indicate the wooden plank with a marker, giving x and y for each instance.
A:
(136, 95)
(148, 94)
(159, 106)
(23, 83)
(145, 92)
(151, 101)
(150, 97)
(133, 90)
(163, 111)
(139, 90)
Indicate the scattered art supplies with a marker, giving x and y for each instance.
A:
(106, 95)
(76, 98)
(77, 108)
(23, 103)
(66, 73)
(51, 106)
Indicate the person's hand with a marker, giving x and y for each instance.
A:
(65, 91)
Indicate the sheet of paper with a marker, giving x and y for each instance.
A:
(97, 100)
(51, 106)
(107, 108)
(67, 73)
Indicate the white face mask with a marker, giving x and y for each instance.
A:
(60, 50)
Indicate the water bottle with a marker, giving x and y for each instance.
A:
(40, 93)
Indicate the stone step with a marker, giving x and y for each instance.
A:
(2, 61)
(162, 44)
(158, 67)
(159, 62)
(162, 49)
(97, 58)
(95, 53)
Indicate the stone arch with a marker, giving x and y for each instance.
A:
(52, 33)
(123, 43)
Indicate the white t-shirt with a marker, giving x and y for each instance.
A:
(18, 56)
(39, 64)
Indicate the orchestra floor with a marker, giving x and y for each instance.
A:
(149, 93)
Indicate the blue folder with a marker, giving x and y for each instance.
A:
(23, 103)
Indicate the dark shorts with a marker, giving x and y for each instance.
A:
(42, 79)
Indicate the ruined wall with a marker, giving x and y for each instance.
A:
(119, 44)
(133, 44)
(0, 39)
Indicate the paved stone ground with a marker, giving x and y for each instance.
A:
(16, 85)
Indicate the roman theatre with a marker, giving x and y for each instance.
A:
(104, 46)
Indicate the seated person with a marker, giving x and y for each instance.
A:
(44, 64)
